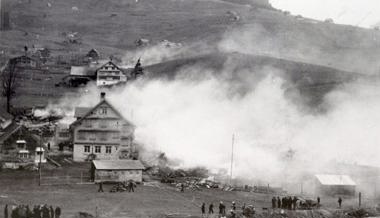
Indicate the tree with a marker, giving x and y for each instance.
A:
(8, 80)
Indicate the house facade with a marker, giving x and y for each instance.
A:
(101, 133)
(116, 171)
(110, 74)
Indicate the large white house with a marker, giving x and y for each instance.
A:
(102, 133)
(110, 74)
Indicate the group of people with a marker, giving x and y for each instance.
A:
(222, 209)
(38, 211)
(288, 202)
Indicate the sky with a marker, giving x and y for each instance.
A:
(363, 13)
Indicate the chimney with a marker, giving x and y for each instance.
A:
(102, 96)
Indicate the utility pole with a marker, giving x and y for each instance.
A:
(39, 164)
(232, 157)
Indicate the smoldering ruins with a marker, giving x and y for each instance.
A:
(196, 108)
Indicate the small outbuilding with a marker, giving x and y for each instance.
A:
(116, 170)
(335, 185)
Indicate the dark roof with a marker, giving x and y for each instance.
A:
(118, 165)
(92, 109)
(5, 115)
(112, 63)
(81, 111)
(9, 131)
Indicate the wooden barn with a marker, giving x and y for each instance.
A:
(333, 185)
(116, 170)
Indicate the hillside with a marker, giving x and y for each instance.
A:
(113, 26)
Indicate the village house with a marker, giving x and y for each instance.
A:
(328, 184)
(102, 133)
(110, 74)
(116, 171)
(93, 55)
(20, 147)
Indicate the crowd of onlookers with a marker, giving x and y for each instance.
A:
(38, 211)
(248, 211)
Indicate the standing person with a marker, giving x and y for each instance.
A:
(182, 187)
(222, 208)
(295, 199)
(283, 202)
(203, 209)
(274, 203)
(35, 212)
(57, 212)
(278, 202)
(233, 206)
(211, 209)
(131, 186)
(100, 187)
(319, 201)
(51, 212)
(6, 211)
(340, 202)
(29, 213)
(45, 212)
(243, 207)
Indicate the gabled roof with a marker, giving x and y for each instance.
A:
(326, 179)
(9, 131)
(118, 165)
(84, 115)
(81, 111)
(111, 63)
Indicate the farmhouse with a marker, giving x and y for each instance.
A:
(116, 171)
(335, 185)
(102, 133)
(110, 74)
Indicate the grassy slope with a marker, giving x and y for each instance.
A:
(187, 22)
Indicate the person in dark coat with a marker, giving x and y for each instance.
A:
(283, 199)
(319, 201)
(233, 206)
(45, 212)
(340, 202)
(222, 208)
(29, 213)
(51, 211)
(279, 202)
(6, 211)
(211, 209)
(57, 212)
(131, 186)
(36, 212)
(274, 202)
(203, 209)
(182, 187)
(295, 199)
(100, 187)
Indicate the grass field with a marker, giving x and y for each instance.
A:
(150, 200)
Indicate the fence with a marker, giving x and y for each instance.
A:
(83, 178)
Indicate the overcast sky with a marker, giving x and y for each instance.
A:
(365, 13)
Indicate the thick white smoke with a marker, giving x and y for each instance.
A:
(193, 122)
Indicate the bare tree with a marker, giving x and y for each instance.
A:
(8, 80)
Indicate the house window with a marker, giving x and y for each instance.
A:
(87, 123)
(81, 136)
(103, 110)
(108, 149)
(103, 136)
(97, 149)
(87, 149)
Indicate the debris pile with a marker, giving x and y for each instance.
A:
(119, 187)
